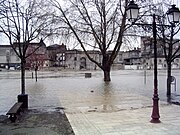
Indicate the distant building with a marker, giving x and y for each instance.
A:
(118, 62)
(77, 59)
(8, 58)
(132, 59)
(37, 56)
(147, 53)
(56, 55)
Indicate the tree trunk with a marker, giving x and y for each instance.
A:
(23, 97)
(169, 80)
(107, 75)
(106, 68)
(23, 62)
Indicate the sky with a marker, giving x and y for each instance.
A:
(4, 41)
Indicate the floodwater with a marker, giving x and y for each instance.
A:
(72, 89)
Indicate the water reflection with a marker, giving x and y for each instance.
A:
(73, 91)
(42, 94)
(107, 101)
(104, 97)
(35, 88)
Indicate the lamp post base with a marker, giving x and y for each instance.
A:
(155, 120)
(155, 112)
(24, 99)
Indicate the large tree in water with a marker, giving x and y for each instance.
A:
(99, 24)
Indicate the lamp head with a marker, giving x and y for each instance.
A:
(173, 14)
(132, 10)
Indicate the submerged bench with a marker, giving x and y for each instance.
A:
(14, 111)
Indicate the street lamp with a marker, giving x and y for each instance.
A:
(173, 17)
(173, 14)
(132, 11)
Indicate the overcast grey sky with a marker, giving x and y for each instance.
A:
(3, 39)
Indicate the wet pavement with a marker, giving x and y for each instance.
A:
(126, 122)
(95, 107)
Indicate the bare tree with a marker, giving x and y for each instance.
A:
(166, 34)
(97, 24)
(23, 22)
(171, 48)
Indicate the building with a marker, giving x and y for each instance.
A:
(77, 59)
(8, 58)
(118, 62)
(36, 52)
(56, 55)
(38, 57)
(147, 54)
(132, 59)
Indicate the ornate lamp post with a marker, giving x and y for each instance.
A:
(173, 16)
